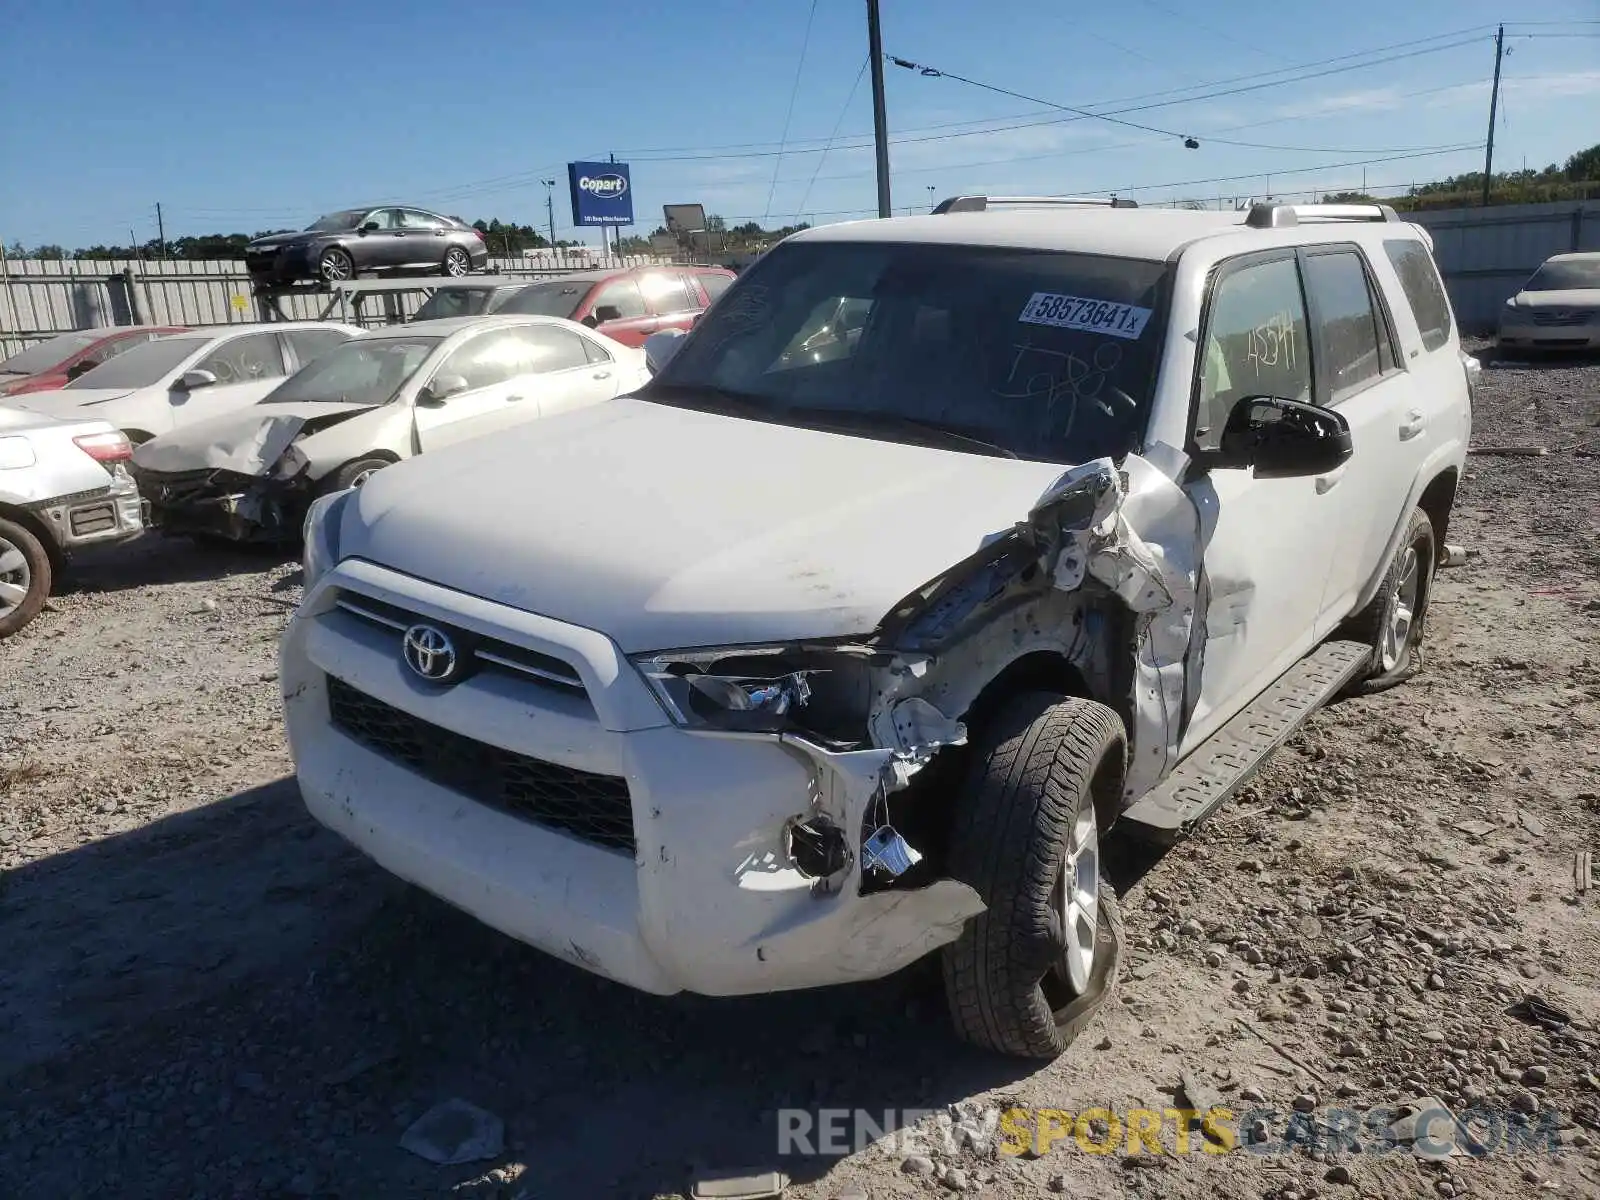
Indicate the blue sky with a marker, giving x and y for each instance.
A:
(245, 117)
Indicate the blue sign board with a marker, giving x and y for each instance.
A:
(601, 193)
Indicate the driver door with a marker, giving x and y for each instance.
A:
(498, 368)
(1267, 543)
(247, 367)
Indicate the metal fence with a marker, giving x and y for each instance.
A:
(40, 298)
(1486, 254)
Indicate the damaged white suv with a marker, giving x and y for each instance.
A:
(940, 544)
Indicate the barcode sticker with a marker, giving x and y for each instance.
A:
(1080, 312)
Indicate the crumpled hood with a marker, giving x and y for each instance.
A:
(70, 403)
(248, 441)
(668, 528)
(1571, 298)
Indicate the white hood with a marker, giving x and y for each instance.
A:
(70, 403)
(247, 440)
(1571, 298)
(667, 528)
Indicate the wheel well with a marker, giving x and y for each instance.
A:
(35, 525)
(1437, 499)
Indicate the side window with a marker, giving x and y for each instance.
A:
(667, 294)
(413, 218)
(490, 358)
(308, 344)
(113, 348)
(384, 218)
(1351, 334)
(253, 356)
(714, 285)
(596, 352)
(1255, 344)
(553, 349)
(624, 296)
(1419, 278)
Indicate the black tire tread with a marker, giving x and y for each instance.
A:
(1037, 756)
(1368, 624)
(40, 568)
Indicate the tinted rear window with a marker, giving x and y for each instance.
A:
(47, 354)
(553, 298)
(1419, 279)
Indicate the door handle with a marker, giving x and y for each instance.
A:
(602, 374)
(1326, 483)
(1412, 425)
(510, 399)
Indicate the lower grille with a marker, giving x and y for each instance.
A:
(1560, 317)
(95, 519)
(594, 808)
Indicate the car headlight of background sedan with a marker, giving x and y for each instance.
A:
(821, 691)
(321, 534)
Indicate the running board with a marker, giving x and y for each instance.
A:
(1225, 761)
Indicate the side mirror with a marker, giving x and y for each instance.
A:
(190, 380)
(660, 347)
(1282, 439)
(369, 227)
(607, 312)
(591, 321)
(442, 388)
(82, 368)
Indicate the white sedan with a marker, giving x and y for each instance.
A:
(385, 396)
(177, 380)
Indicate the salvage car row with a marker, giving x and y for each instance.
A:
(230, 432)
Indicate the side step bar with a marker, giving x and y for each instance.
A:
(1226, 761)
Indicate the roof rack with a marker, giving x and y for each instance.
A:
(1283, 216)
(957, 204)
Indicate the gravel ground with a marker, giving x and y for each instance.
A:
(207, 995)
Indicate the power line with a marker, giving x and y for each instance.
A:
(823, 157)
(805, 43)
(1189, 19)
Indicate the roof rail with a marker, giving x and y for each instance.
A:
(980, 203)
(1283, 216)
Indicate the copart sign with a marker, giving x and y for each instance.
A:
(602, 193)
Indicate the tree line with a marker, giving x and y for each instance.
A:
(1576, 179)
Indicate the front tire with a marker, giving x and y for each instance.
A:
(25, 577)
(1392, 622)
(1029, 972)
(354, 474)
(336, 266)
(456, 263)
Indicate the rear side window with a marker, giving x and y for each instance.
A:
(1419, 279)
(1353, 336)
(714, 285)
(311, 344)
(242, 359)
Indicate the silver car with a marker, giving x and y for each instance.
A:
(1558, 308)
(63, 485)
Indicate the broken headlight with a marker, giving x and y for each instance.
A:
(291, 463)
(823, 692)
(321, 535)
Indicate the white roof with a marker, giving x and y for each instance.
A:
(1146, 233)
(445, 326)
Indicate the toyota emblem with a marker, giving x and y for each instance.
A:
(429, 652)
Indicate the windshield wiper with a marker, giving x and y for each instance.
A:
(847, 418)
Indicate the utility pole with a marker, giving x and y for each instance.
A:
(161, 230)
(880, 119)
(550, 210)
(931, 203)
(1494, 104)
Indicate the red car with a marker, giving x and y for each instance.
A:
(57, 362)
(627, 305)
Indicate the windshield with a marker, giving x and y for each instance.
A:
(362, 371)
(334, 222)
(141, 366)
(1041, 355)
(47, 354)
(552, 298)
(1573, 274)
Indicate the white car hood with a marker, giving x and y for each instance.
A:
(667, 528)
(1571, 298)
(71, 403)
(248, 441)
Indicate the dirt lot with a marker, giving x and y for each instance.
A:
(206, 995)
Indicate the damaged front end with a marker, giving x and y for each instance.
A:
(226, 504)
(1072, 591)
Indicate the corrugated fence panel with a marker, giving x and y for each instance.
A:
(40, 298)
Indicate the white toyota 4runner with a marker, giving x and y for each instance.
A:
(939, 544)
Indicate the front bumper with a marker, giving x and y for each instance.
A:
(110, 514)
(1524, 331)
(707, 901)
(280, 266)
(240, 508)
